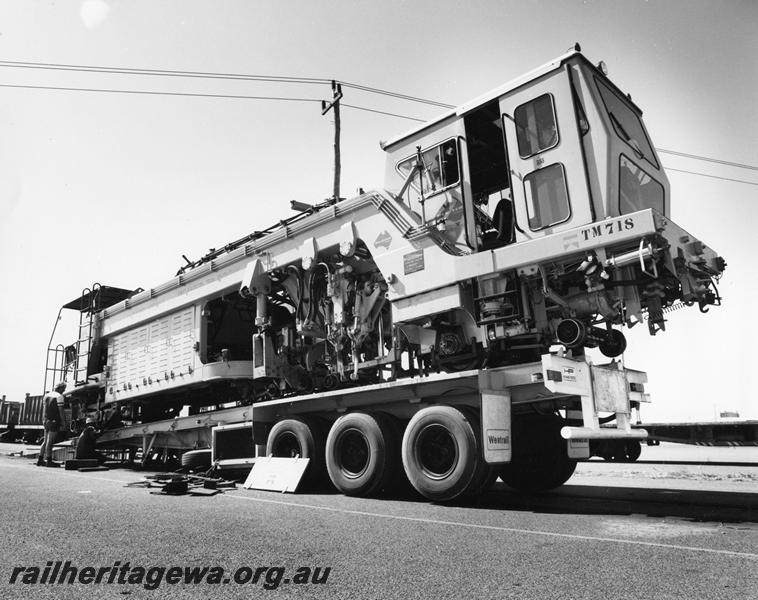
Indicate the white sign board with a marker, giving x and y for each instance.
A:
(276, 474)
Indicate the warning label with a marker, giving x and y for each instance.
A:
(413, 262)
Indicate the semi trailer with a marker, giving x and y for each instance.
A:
(22, 420)
(435, 328)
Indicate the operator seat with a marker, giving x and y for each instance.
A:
(503, 220)
(503, 223)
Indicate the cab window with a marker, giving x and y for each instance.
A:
(536, 126)
(547, 201)
(441, 168)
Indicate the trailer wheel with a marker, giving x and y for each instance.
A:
(440, 452)
(484, 477)
(361, 453)
(492, 475)
(290, 438)
(540, 460)
(484, 473)
(197, 459)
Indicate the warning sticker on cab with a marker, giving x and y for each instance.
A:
(413, 262)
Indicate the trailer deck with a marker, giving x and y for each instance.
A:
(523, 381)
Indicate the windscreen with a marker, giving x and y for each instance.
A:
(637, 190)
(626, 123)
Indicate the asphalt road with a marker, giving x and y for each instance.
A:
(615, 531)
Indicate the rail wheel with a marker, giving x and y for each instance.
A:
(620, 450)
(635, 450)
(440, 452)
(361, 453)
(290, 438)
(629, 451)
(540, 461)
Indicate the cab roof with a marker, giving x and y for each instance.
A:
(489, 96)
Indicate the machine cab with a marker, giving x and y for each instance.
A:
(558, 148)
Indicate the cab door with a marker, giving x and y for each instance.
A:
(550, 191)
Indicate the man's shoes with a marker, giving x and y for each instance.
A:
(50, 463)
(40, 462)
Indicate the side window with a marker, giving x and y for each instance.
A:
(536, 126)
(441, 168)
(547, 201)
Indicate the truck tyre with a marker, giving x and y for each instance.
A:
(540, 460)
(484, 473)
(197, 459)
(361, 453)
(290, 438)
(492, 475)
(484, 477)
(440, 452)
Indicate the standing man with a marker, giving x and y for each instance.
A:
(54, 420)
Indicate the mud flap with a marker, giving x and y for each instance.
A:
(577, 449)
(496, 420)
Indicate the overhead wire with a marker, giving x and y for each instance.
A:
(365, 88)
(288, 79)
(213, 75)
(161, 72)
(707, 159)
(156, 93)
(381, 112)
(201, 95)
(712, 176)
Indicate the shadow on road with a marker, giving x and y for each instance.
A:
(694, 505)
(691, 504)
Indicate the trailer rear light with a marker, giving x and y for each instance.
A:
(554, 375)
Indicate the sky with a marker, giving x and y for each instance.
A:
(114, 188)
